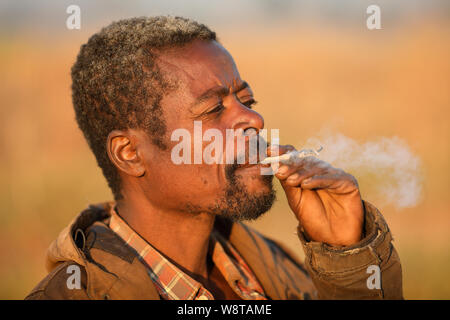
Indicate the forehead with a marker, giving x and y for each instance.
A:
(199, 66)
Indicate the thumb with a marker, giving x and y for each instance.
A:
(293, 195)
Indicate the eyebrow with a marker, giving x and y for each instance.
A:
(218, 92)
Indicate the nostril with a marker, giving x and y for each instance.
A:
(250, 132)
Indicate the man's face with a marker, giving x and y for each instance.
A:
(210, 90)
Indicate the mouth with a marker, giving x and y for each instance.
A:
(246, 166)
(251, 159)
(254, 176)
(251, 168)
(249, 162)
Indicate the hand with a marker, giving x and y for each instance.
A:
(325, 200)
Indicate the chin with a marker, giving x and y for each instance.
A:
(245, 198)
(254, 182)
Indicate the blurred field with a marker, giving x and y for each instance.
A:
(364, 84)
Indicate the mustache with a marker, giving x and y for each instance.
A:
(254, 156)
(261, 152)
(230, 170)
(230, 173)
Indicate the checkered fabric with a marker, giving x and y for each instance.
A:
(174, 284)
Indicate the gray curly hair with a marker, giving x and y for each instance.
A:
(116, 83)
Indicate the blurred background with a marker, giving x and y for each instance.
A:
(312, 64)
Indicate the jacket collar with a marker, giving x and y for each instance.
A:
(114, 270)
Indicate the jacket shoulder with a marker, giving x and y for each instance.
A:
(65, 282)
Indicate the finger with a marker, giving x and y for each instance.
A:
(337, 180)
(304, 166)
(284, 171)
(318, 182)
(295, 179)
(309, 162)
(282, 149)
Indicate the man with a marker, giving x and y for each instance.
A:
(174, 230)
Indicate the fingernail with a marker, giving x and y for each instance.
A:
(306, 181)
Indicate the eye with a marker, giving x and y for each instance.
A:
(250, 103)
(217, 109)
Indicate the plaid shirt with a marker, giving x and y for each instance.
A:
(174, 284)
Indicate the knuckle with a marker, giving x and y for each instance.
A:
(354, 181)
(322, 164)
(289, 147)
(351, 179)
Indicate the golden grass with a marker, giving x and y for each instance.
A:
(364, 84)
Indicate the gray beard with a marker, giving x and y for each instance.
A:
(237, 204)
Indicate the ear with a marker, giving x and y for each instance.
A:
(123, 152)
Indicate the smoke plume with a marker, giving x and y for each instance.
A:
(385, 168)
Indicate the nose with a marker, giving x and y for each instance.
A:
(245, 118)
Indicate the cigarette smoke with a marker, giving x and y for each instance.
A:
(386, 170)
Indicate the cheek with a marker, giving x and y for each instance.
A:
(185, 183)
(209, 180)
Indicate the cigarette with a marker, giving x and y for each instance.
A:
(287, 157)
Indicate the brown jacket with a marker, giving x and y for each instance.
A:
(112, 270)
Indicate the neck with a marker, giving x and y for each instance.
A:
(182, 237)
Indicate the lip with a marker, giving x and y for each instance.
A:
(247, 165)
(254, 161)
(251, 159)
(252, 167)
